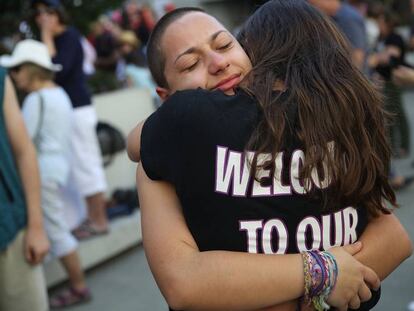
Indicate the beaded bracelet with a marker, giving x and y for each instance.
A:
(320, 272)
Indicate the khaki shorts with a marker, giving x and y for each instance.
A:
(22, 286)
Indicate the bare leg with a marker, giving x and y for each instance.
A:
(97, 211)
(73, 268)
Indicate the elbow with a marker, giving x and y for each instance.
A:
(409, 247)
(178, 293)
(406, 245)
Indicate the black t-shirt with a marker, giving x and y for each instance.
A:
(397, 41)
(196, 141)
(71, 77)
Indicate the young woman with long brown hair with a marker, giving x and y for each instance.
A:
(300, 189)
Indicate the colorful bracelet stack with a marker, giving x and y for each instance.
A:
(320, 271)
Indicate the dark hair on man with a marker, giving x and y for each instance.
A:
(335, 112)
(155, 55)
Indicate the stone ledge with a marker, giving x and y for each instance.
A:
(125, 232)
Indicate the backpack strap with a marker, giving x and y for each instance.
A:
(36, 137)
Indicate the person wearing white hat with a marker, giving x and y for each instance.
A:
(48, 114)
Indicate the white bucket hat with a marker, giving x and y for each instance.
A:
(29, 51)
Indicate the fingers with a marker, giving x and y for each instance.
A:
(371, 278)
(355, 302)
(28, 254)
(37, 257)
(364, 292)
(352, 249)
(343, 308)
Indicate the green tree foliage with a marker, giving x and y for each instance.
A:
(81, 12)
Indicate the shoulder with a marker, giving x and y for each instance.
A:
(73, 32)
(351, 13)
(202, 102)
(55, 97)
(70, 36)
(33, 97)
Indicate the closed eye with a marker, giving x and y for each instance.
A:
(191, 67)
(224, 47)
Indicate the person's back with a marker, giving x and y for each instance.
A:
(204, 140)
(51, 130)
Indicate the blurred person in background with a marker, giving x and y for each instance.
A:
(47, 112)
(390, 53)
(89, 59)
(351, 23)
(106, 45)
(138, 18)
(64, 46)
(23, 242)
(136, 73)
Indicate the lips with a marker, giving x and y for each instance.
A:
(228, 83)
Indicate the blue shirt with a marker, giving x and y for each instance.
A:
(352, 24)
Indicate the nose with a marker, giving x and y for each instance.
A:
(218, 63)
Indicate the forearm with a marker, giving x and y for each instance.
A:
(220, 280)
(380, 251)
(213, 280)
(29, 174)
(24, 154)
(47, 39)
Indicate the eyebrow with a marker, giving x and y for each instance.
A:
(192, 49)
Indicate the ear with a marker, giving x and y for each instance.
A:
(163, 93)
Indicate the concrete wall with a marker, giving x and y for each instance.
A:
(123, 109)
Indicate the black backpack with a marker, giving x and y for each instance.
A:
(111, 141)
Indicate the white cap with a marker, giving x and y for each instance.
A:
(29, 51)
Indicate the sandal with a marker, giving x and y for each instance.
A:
(86, 231)
(70, 297)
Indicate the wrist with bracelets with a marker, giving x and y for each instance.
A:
(320, 271)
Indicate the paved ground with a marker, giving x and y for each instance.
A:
(126, 284)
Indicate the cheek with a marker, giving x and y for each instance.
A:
(21, 80)
(241, 60)
(191, 80)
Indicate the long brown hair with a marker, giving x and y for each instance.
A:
(292, 42)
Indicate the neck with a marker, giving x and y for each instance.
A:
(59, 29)
(41, 84)
(333, 7)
